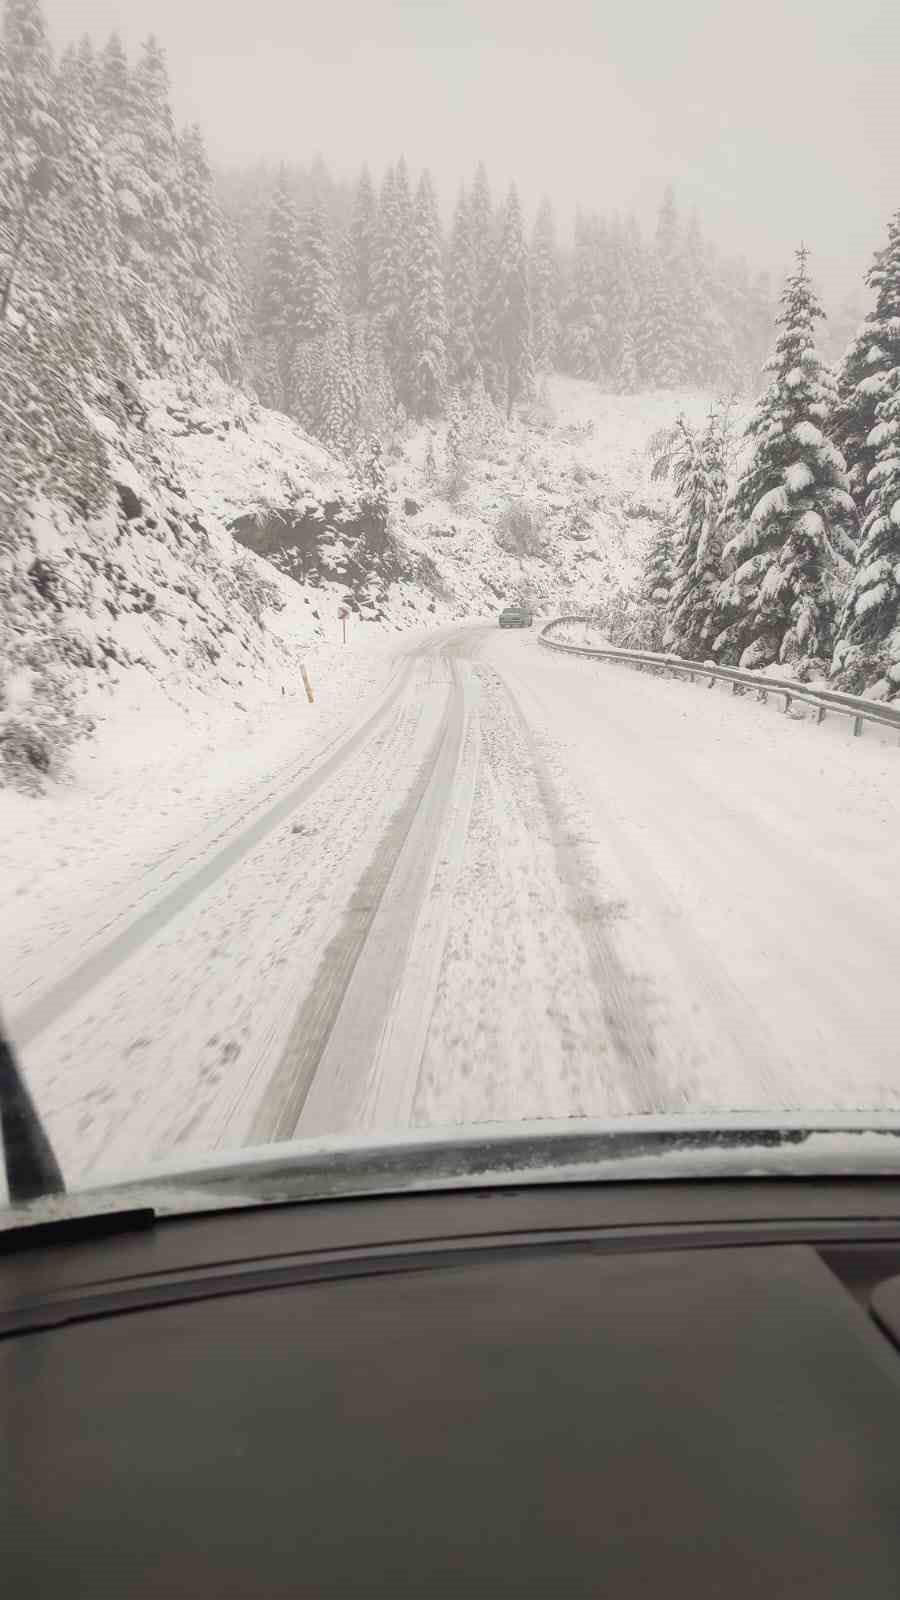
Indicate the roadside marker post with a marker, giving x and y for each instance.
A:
(306, 683)
(343, 613)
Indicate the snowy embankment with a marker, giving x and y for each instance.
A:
(163, 782)
(575, 467)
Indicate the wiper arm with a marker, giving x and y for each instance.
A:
(32, 1169)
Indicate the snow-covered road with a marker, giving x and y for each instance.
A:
(517, 885)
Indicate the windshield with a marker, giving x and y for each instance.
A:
(449, 588)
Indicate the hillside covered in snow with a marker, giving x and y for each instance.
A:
(461, 420)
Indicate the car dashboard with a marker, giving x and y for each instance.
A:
(622, 1389)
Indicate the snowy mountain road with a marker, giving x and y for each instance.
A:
(523, 886)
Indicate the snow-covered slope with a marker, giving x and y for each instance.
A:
(160, 611)
(151, 609)
(557, 505)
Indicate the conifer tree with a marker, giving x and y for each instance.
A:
(391, 279)
(655, 581)
(485, 244)
(671, 293)
(32, 140)
(702, 362)
(278, 298)
(374, 501)
(658, 356)
(362, 244)
(428, 316)
(512, 308)
(316, 276)
(584, 331)
(544, 281)
(462, 295)
(792, 516)
(157, 174)
(212, 295)
(865, 371)
(867, 653)
(627, 376)
(657, 570)
(336, 398)
(696, 464)
(46, 336)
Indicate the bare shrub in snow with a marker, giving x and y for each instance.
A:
(622, 619)
(455, 481)
(540, 413)
(254, 592)
(521, 529)
(39, 724)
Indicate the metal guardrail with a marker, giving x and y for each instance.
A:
(822, 700)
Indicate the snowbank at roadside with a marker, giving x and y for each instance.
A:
(165, 776)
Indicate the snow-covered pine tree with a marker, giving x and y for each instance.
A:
(512, 308)
(82, 223)
(89, 75)
(702, 359)
(454, 429)
(318, 297)
(429, 465)
(278, 299)
(865, 370)
(791, 512)
(158, 229)
(628, 377)
(620, 295)
(113, 90)
(428, 314)
(391, 279)
(357, 337)
(696, 464)
(867, 654)
(121, 144)
(485, 240)
(32, 138)
(320, 372)
(47, 339)
(655, 581)
(657, 570)
(544, 276)
(336, 398)
(583, 330)
(377, 408)
(374, 502)
(658, 355)
(462, 295)
(671, 358)
(212, 295)
(362, 244)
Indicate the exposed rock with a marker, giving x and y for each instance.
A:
(128, 500)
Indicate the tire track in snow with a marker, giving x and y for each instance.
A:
(333, 1054)
(28, 1023)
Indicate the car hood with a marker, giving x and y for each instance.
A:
(642, 1149)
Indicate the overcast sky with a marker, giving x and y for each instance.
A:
(778, 119)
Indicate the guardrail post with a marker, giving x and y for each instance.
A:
(711, 682)
(787, 703)
(857, 727)
(762, 696)
(734, 686)
(820, 715)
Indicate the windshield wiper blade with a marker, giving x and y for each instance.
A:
(32, 1169)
